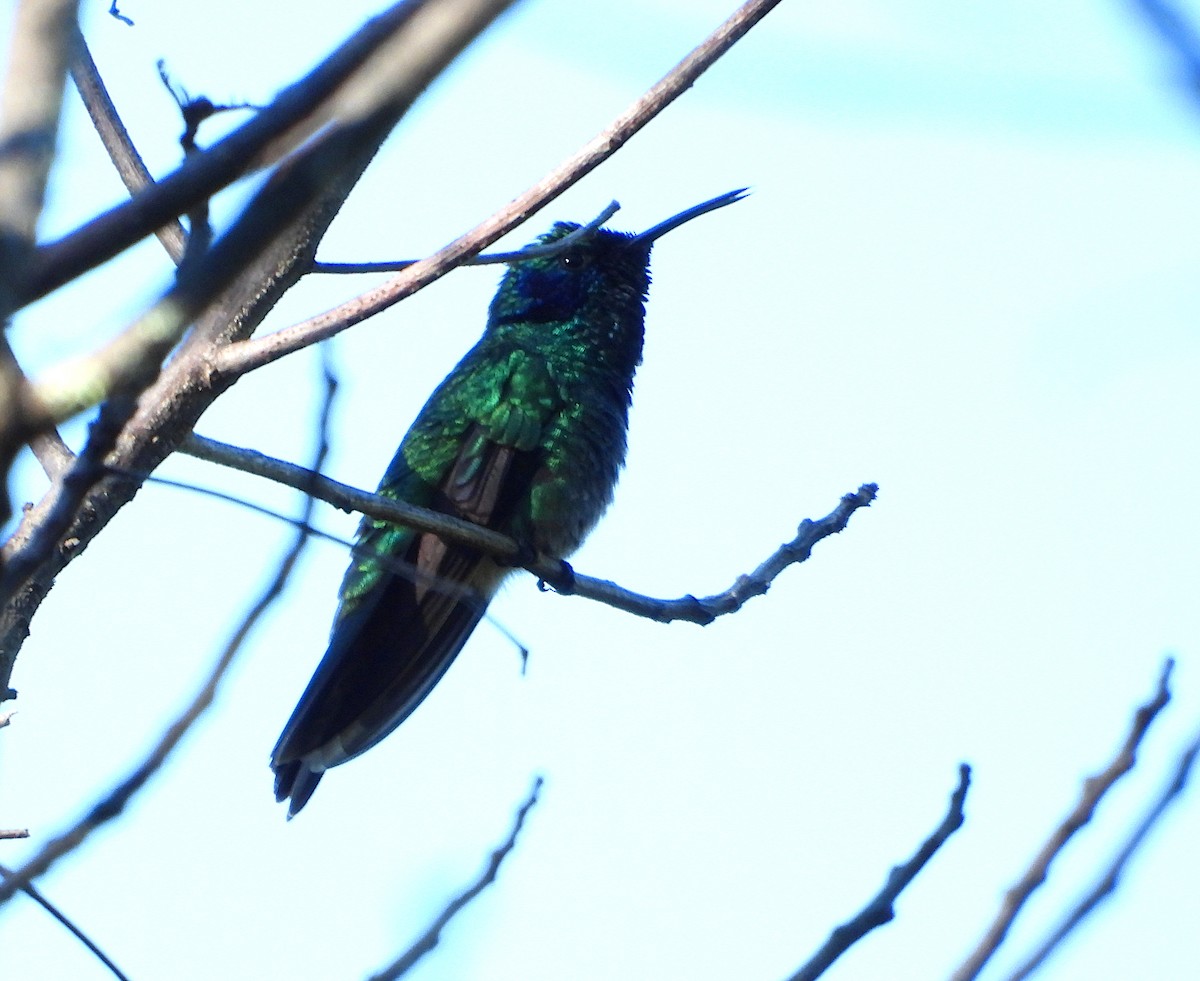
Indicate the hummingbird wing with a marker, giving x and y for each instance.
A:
(410, 600)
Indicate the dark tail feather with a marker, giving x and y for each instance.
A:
(383, 659)
(296, 781)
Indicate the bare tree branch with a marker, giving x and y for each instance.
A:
(383, 63)
(33, 893)
(557, 247)
(350, 499)
(80, 477)
(557, 574)
(113, 803)
(705, 609)
(880, 909)
(244, 356)
(1094, 789)
(1112, 875)
(52, 453)
(188, 384)
(122, 369)
(430, 938)
(12, 833)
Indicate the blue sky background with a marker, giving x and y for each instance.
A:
(967, 272)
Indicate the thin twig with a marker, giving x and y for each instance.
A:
(880, 909)
(702, 610)
(1108, 882)
(112, 132)
(557, 247)
(244, 356)
(33, 893)
(114, 802)
(7, 834)
(194, 112)
(350, 499)
(52, 453)
(385, 560)
(1094, 789)
(430, 938)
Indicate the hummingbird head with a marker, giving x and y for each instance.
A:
(598, 276)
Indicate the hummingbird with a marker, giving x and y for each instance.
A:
(526, 436)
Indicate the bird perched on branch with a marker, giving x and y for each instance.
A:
(525, 436)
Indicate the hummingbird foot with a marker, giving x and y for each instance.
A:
(526, 556)
(563, 583)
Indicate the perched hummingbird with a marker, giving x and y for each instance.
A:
(526, 436)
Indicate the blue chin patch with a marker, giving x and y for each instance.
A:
(543, 295)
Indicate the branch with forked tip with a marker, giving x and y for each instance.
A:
(557, 575)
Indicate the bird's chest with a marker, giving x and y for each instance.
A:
(583, 450)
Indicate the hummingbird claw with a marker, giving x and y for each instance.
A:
(564, 582)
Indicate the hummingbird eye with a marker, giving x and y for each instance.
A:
(572, 261)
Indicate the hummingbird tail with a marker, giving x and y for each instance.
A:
(385, 655)
(296, 781)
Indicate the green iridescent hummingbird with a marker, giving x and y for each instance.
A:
(526, 436)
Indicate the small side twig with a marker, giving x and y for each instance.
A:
(557, 247)
(702, 610)
(1107, 883)
(33, 893)
(880, 909)
(194, 112)
(7, 834)
(1094, 789)
(114, 12)
(52, 453)
(430, 938)
(383, 558)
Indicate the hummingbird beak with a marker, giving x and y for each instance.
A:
(647, 237)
